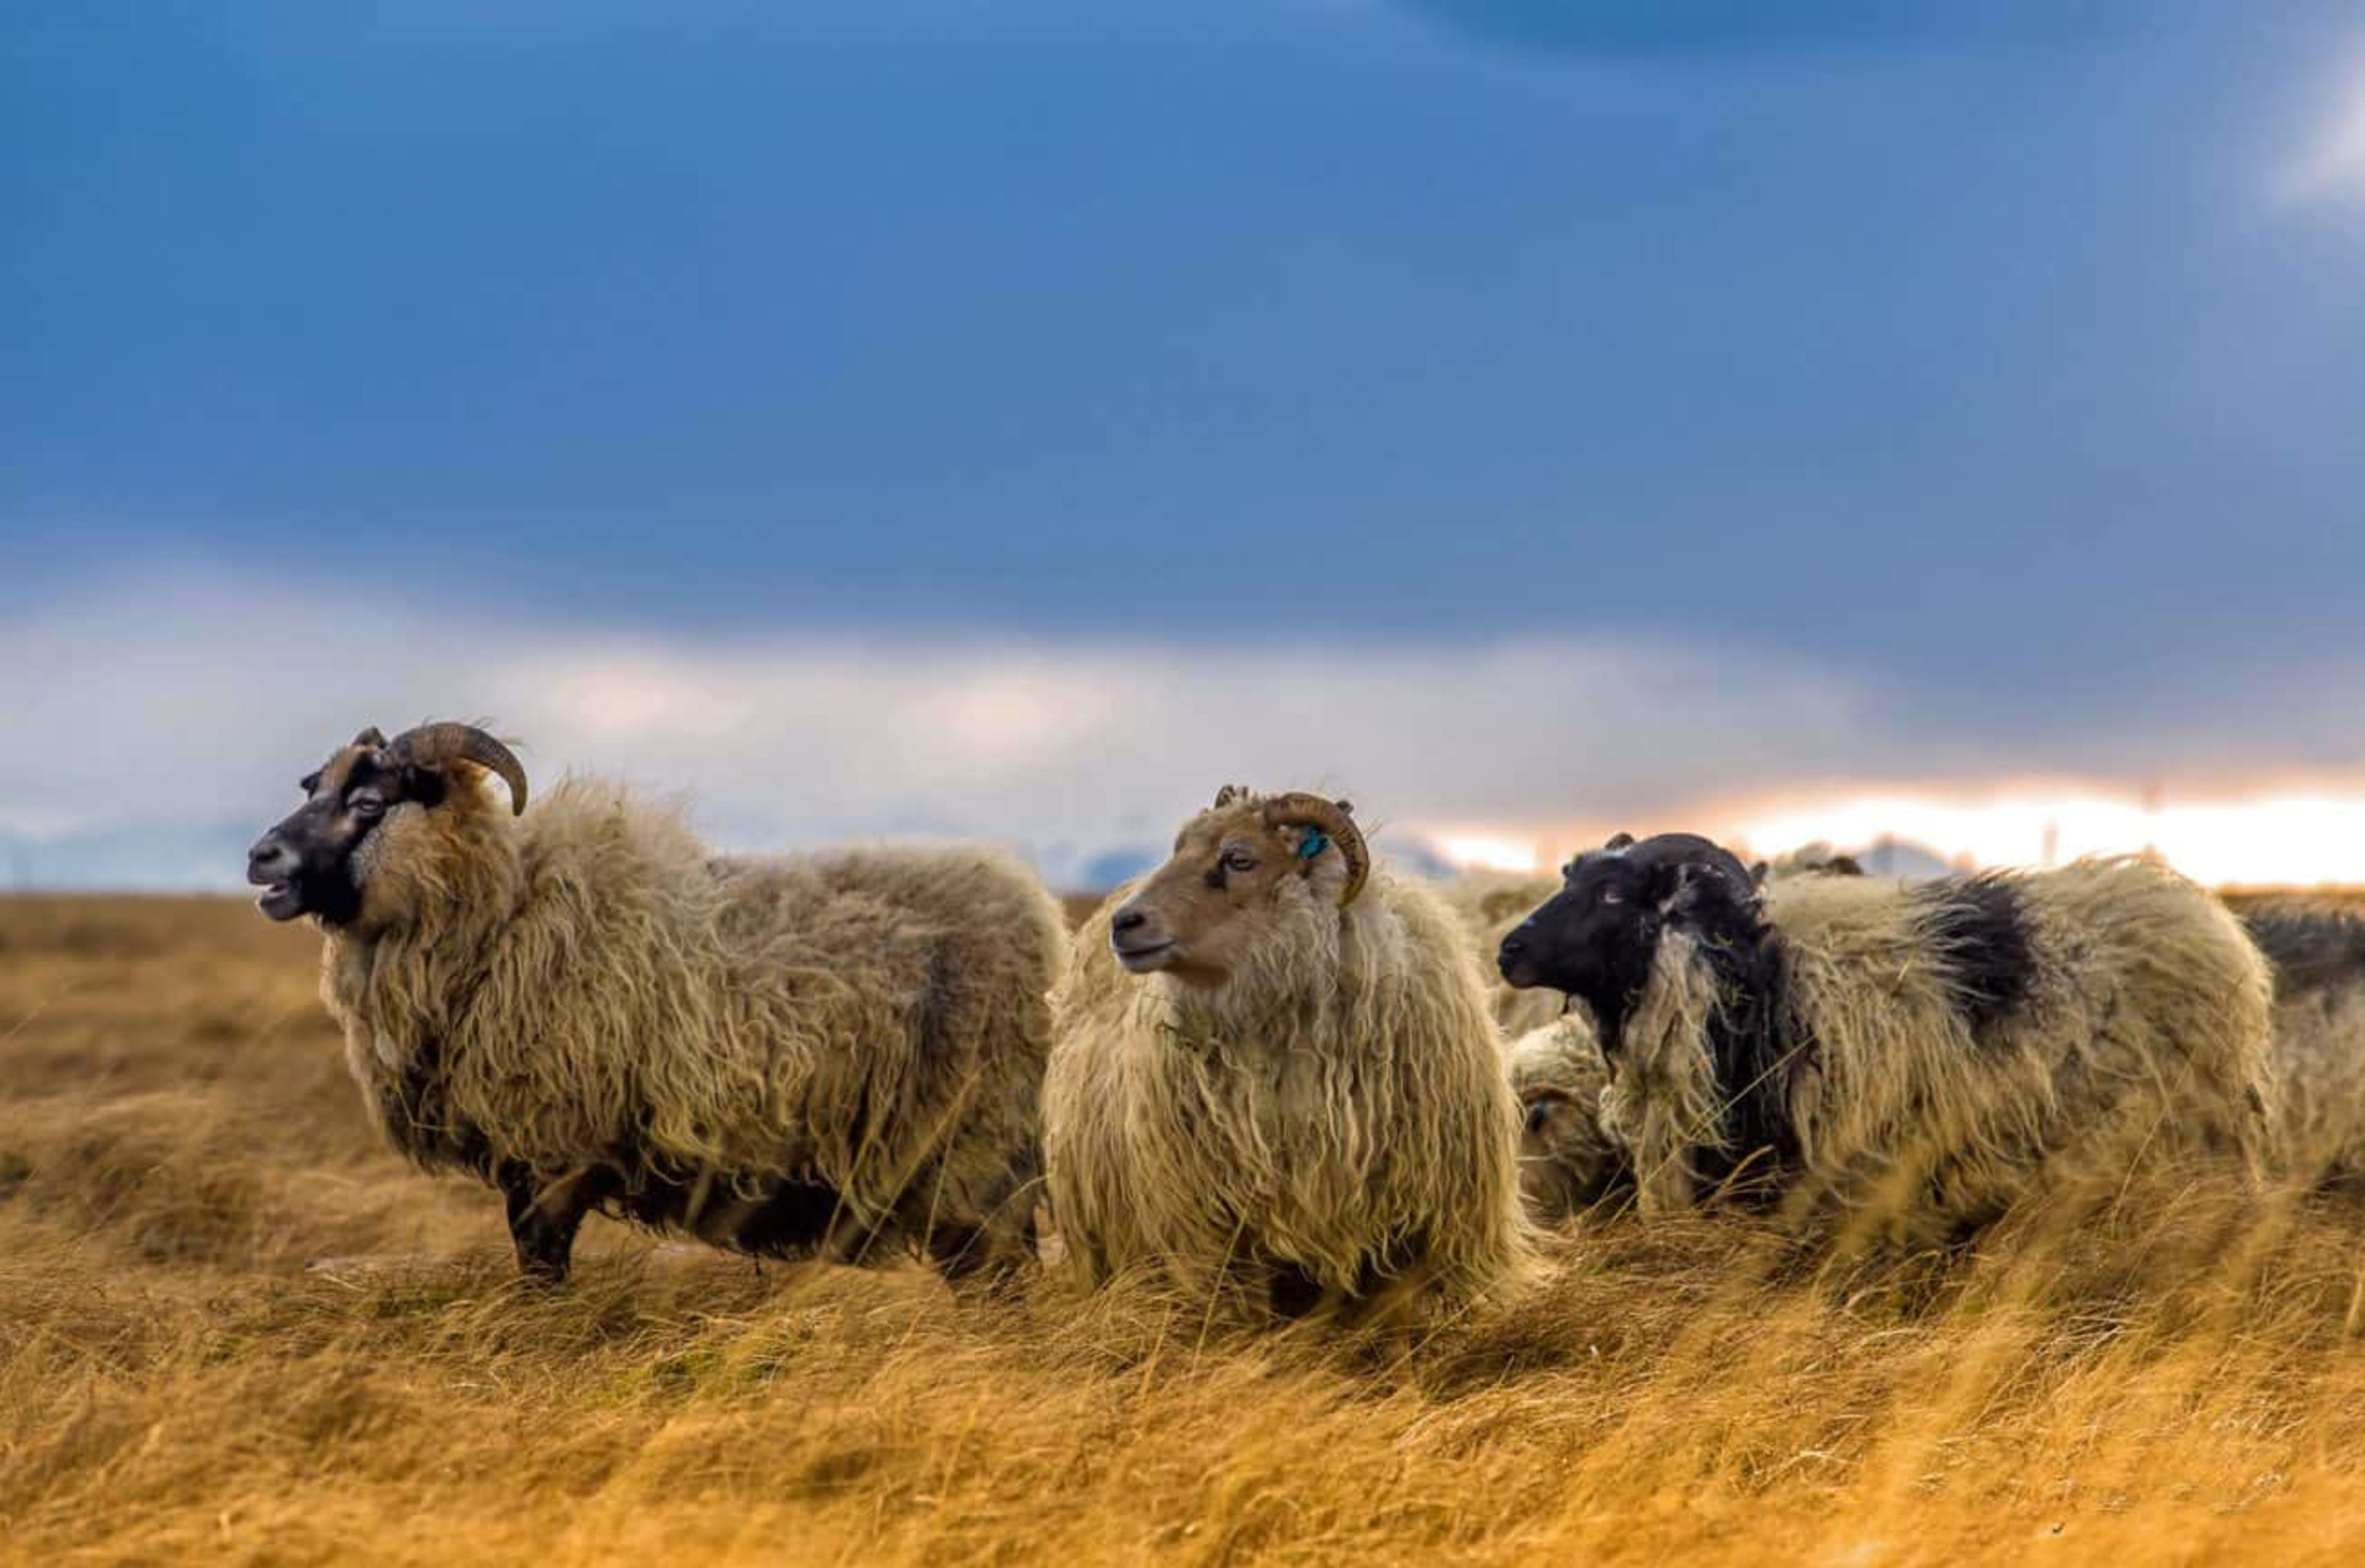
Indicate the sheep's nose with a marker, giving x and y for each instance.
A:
(1128, 919)
(270, 860)
(1513, 946)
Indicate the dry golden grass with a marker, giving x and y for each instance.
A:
(231, 1329)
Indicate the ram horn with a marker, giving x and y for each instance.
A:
(432, 745)
(1306, 810)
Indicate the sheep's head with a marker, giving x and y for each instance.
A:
(1567, 1161)
(1596, 937)
(317, 860)
(1234, 865)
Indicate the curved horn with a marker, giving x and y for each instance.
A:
(431, 746)
(1305, 810)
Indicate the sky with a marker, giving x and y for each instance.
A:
(1017, 419)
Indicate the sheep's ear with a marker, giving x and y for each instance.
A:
(426, 785)
(371, 738)
(1759, 873)
(1687, 883)
(1618, 841)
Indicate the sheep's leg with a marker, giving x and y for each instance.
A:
(543, 1219)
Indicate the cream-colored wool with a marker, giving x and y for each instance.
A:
(1567, 1160)
(2320, 1081)
(2144, 1040)
(1339, 1103)
(585, 984)
(2319, 1069)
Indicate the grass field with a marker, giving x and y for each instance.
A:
(230, 1328)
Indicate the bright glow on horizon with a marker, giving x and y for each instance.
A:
(2298, 839)
(1489, 852)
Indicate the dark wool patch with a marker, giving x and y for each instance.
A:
(791, 1219)
(1977, 928)
(1755, 1051)
(2310, 948)
(793, 1223)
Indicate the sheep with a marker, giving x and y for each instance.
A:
(1567, 1162)
(835, 1054)
(1920, 1057)
(2319, 1048)
(1273, 1076)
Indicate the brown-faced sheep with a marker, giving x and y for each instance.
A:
(835, 1054)
(1921, 1057)
(2319, 1053)
(1274, 1068)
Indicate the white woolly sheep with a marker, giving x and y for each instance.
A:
(1273, 1068)
(1922, 1056)
(831, 1054)
(1568, 1161)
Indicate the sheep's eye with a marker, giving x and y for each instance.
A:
(366, 805)
(1238, 860)
(1611, 895)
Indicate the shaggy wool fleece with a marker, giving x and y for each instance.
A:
(2318, 957)
(586, 985)
(2143, 1039)
(1339, 1109)
(1568, 1162)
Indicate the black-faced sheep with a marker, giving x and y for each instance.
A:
(1922, 1056)
(1567, 1162)
(834, 1055)
(1274, 1067)
(2319, 1053)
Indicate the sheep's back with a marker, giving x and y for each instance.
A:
(832, 1016)
(2091, 1014)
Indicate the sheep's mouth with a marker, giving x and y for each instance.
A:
(280, 900)
(1146, 956)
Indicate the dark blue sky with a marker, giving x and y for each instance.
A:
(2000, 359)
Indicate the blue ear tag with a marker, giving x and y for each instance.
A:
(1312, 844)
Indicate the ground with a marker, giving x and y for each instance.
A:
(231, 1329)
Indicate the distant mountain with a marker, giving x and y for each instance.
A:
(1114, 867)
(1901, 858)
(1416, 857)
